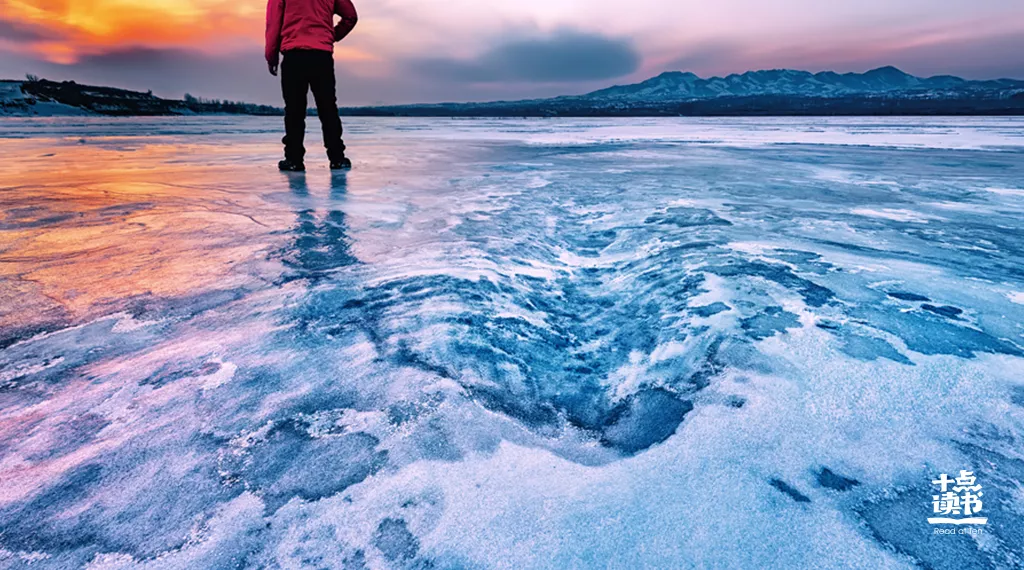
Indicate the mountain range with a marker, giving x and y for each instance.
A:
(885, 90)
(680, 86)
(882, 91)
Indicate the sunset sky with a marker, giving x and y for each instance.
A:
(414, 51)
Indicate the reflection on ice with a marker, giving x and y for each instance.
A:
(510, 344)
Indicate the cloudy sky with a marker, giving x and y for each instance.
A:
(407, 51)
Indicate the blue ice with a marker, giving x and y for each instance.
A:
(629, 343)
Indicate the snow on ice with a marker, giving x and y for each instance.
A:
(662, 343)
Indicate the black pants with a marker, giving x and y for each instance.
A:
(301, 71)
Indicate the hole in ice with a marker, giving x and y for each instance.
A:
(1017, 396)
(395, 541)
(831, 480)
(687, 218)
(904, 296)
(789, 490)
(945, 311)
(646, 419)
(710, 310)
(769, 322)
(289, 462)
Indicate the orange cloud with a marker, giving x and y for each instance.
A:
(74, 28)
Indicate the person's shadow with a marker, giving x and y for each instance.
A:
(320, 244)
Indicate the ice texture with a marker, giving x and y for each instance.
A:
(630, 343)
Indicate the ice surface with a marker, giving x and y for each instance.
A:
(663, 343)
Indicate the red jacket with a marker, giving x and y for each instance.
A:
(306, 24)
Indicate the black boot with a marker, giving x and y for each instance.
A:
(341, 164)
(289, 166)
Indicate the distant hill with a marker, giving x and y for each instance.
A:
(47, 98)
(883, 91)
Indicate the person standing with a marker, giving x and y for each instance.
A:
(304, 31)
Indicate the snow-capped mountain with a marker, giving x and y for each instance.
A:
(685, 86)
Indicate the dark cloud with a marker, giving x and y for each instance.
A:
(22, 32)
(175, 71)
(564, 56)
(517, 69)
(167, 72)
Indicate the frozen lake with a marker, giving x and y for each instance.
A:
(672, 343)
